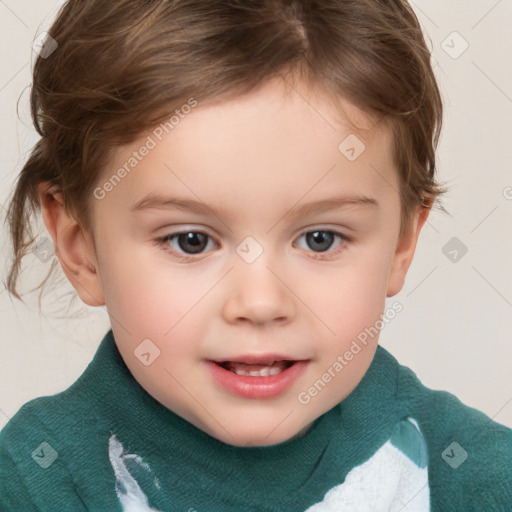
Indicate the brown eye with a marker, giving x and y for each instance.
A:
(185, 243)
(192, 242)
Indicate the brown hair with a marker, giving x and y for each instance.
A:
(122, 66)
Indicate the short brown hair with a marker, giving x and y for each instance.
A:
(121, 66)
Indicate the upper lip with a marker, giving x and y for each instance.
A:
(255, 359)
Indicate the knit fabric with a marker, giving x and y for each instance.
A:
(105, 444)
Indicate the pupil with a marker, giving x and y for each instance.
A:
(323, 238)
(196, 242)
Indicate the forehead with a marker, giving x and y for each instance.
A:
(281, 140)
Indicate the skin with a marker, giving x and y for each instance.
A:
(253, 160)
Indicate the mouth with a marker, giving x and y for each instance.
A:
(255, 369)
(257, 377)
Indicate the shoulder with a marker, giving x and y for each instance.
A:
(54, 450)
(38, 452)
(470, 455)
(14, 495)
(19, 441)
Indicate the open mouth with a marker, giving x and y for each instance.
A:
(257, 377)
(256, 370)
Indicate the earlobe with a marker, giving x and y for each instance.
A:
(74, 247)
(405, 251)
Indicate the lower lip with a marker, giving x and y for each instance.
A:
(257, 387)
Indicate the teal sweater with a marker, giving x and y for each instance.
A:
(105, 439)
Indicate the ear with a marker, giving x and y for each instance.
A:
(73, 246)
(405, 250)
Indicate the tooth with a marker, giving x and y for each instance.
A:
(266, 371)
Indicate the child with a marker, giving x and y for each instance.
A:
(242, 372)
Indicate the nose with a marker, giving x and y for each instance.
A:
(258, 294)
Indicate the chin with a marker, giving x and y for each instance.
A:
(254, 440)
(258, 435)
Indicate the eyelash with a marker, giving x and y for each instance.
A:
(163, 242)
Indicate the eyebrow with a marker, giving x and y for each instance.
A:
(156, 201)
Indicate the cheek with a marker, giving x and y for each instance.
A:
(354, 294)
(135, 292)
(150, 297)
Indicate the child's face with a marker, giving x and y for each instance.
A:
(251, 164)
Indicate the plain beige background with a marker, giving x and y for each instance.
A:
(455, 330)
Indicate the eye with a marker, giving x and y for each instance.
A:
(186, 242)
(321, 240)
